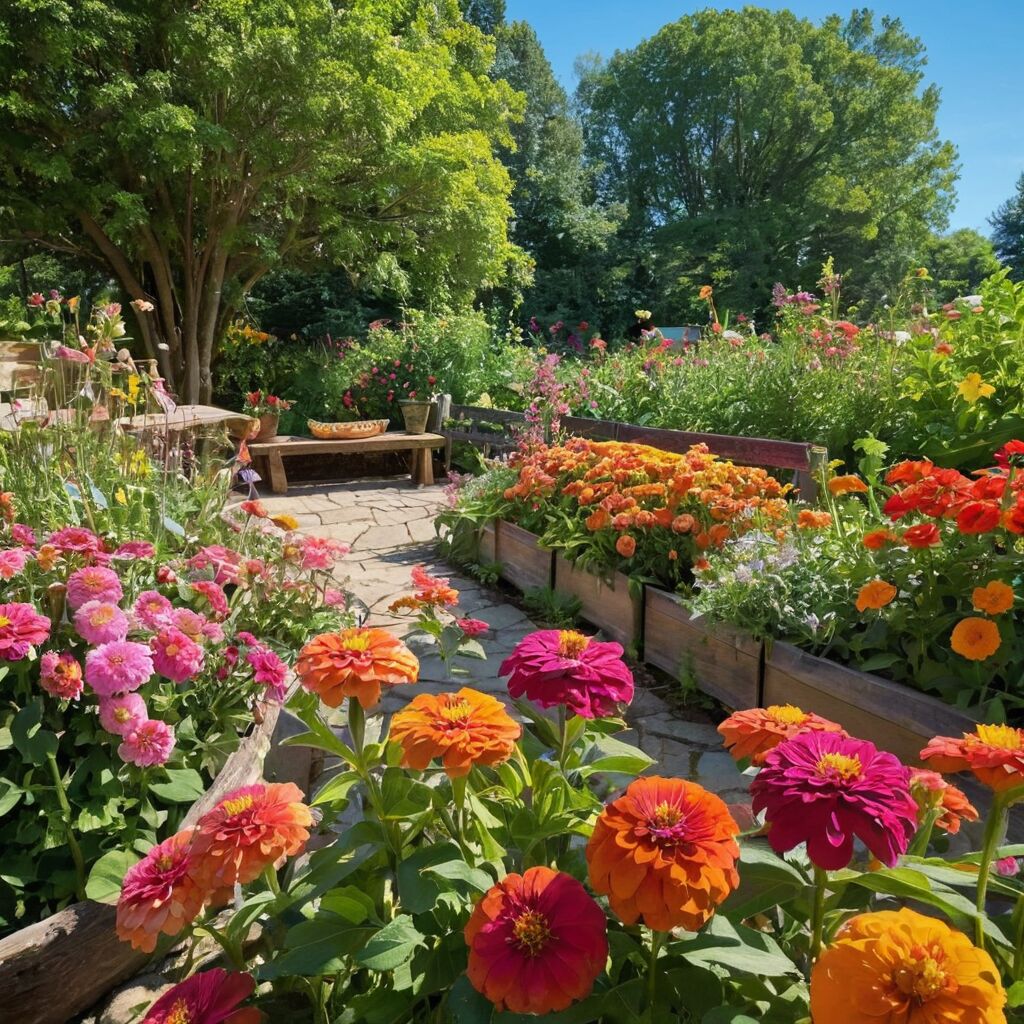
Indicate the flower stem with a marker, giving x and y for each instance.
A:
(563, 731)
(69, 831)
(818, 913)
(652, 971)
(271, 878)
(1018, 938)
(993, 833)
(919, 845)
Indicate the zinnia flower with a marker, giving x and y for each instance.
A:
(975, 639)
(149, 743)
(175, 656)
(848, 484)
(461, 729)
(211, 997)
(285, 521)
(322, 552)
(159, 894)
(152, 609)
(994, 753)
(251, 829)
(122, 714)
(12, 561)
(824, 789)
(75, 539)
(118, 667)
(753, 732)
(93, 583)
(552, 667)
(932, 791)
(213, 594)
(21, 627)
(626, 546)
(269, 670)
(24, 535)
(900, 967)
(994, 598)
(875, 595)
(355, 663)
(100, 622)
(132, 549)
(664, 852)
(60, 675)
(536, 941)
(472, 627)
(924, 535)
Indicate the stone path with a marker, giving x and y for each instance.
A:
(389, 524)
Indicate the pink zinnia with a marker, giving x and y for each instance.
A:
(122, 714)
(152, 609)
(472, 627)
(225, 562)
(99, 622)
(60, 675)
(22, 534)
(322, 552)
(211, 997)
(269, 670)
(149, 744)
(165, 574)
(93, 583)
(21, 627)
(118, 667)
(552, 667)
(75, 538)
(12, 561)
(135, 549)
(334, 598)
(213, 594)
(189, 622)
(824, 789)
(175, 655)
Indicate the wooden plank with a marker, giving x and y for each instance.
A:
(392, 441)
(481, 438)
(486, 550)
(524, 563)
(190, 417)
(478, 412)
(722, 661)
(611, 606)
(894, 717)
(594, 430)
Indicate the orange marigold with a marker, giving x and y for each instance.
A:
(252, 828)
(874, 595)
(355, 663)
(994, 598)
(752, 733)
(932, 792)
(848, 484)
(975, 639)
(664, 852)
(994, 753)
(810, 519)
(461, 729)
(901, 967)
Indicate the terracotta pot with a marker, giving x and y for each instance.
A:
(415, 414)
(268, 427)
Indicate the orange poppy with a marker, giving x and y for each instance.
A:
(901, 967)
(848, 484)
(975, 639)
(664, 852)
(461, 729)
(755, 731)
(993, 753)
(994, 598)
(875, 595)
(355, 663)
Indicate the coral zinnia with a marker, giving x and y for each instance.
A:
(752, 733)
(21, 626)
(824, 789)
(874, 595)
(536, 942)
(211, 997)
(60, 675)
(160, 894)
(975, 639)
(994, 753)
(901, 967)
(462, 729)
(553, 667)
(932, 792)
(994, 598)
(249, 830)
(355, 663)
(664, 852)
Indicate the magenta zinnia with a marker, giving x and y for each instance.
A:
(552, 667)
(211, 997)
(21, 627)
(825, 789)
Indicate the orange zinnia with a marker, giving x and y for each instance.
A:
(664, 852)
(848, 484)
(462, 729)
(626, 546)
(874, 595)
(252, 828)
(975, 639)
(809, 519)
(355, 663)
(994, 598)
(752, 733)
(901, 967)
(875, 540)
(932, 792)
(994, 753)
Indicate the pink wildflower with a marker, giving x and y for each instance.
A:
(225, 563)
(1007, 867)
(21, 627)
(322, 552)
(175, 655)
(12, 561)
(270, 671)
(334, 598)
(22, 534)
(93, 583)
(60, 675)
(122, 714)
(213, 594)
(118, 667)
(152, 609)
(99, 622)
(472, 627)
(135, 549)
(149, 744)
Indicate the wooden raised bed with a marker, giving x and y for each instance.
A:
(524, 563)
(487, 545)
(612, 606)
(723, 662)
(891, 715)
(57, 968)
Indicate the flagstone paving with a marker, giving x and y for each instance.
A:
(389, 524)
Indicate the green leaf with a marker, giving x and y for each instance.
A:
(107, 874)
(467, 1006)
(318, 946)
(35, 744)
(766, 880)
(392, 945)
(10, 794)
(349, 902)
(183, 786)
(460, 871)
(336, 788)
(736, 947)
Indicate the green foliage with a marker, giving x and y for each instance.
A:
(551, 608)
(958, 263)
(1008, 231)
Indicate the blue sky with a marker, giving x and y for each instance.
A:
(974, 56)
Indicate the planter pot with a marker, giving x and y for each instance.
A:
(892, 716)
(609, 605)
(416, 414)
(487, 545)
(721, 661)
(55, 969)
(268, 427)
(524, 563)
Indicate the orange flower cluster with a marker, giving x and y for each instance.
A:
(431, 592)
(755, 731)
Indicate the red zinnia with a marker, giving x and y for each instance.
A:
(211, 997)
(924, 535)
(1012, 453)
(978, 517)
(536, 941)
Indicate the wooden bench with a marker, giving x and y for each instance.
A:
(270, 455)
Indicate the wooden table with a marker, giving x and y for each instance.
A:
(270, 455)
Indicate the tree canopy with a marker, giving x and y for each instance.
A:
(193, 147)
(1008, 231)
(748, 145)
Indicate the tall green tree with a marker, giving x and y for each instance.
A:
(958, 262)
(487, 15)
(1008, 231)
(192, 147)
(748, 145)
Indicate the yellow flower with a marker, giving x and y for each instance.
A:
(285, 521)
(120, 497)
(133, 387)
(118, 393)
(972, 387)
(73, 303)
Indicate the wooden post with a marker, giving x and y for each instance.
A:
(275, 464)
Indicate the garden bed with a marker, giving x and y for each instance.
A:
(614, 606)
(524, 562)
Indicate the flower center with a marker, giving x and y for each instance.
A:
(4, 621)
(122, 715)
(165, 863)
(180, 1014)
(457, 712)
(667, 825)
(531, 932)
(1005, 737)
(171, 650)
(239, 804)
(357, 642)
(842, 766)
(786, 714)
(102, 616)
(117, 659)
(572, 644)
(921, 974)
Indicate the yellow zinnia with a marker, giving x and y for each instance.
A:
(972, 387)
